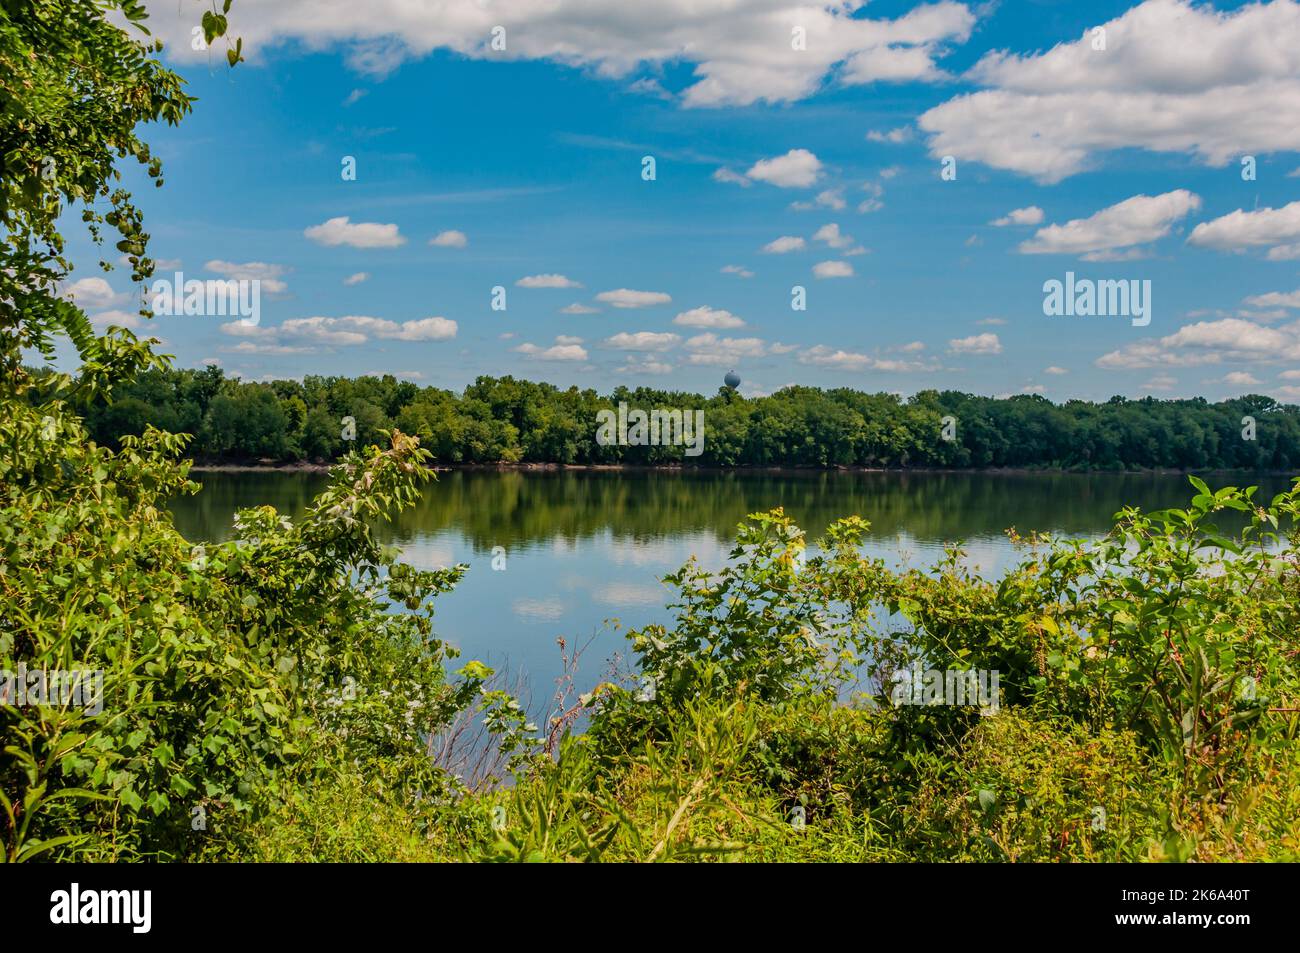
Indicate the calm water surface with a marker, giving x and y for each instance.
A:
(586, 547)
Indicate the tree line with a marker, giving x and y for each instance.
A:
(507, 420)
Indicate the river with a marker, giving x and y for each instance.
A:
(579, 548)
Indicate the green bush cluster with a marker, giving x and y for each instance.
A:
(234, 675)
(1147, 710)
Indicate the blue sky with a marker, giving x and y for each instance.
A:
(1122, 162)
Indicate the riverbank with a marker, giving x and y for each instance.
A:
(310, 467)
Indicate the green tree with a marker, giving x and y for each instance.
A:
(248, 421)
(321, 434)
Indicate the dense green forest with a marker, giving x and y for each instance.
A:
(508, 420)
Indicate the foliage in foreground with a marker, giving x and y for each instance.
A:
(229, 670)
(1148, 706)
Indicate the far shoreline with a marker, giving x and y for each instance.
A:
(311, 467)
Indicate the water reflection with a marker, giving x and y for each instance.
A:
(582, 547)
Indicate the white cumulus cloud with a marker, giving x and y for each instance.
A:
(832, 269)
(449, 239)
(342, 231)
(1241, 229)
(783, 245)
(92, 293)
(706, 317)
(797, 169)
(1174, 77)
(560, 351)
(1228, 340)
(1135, 221)
(266, 274)
(831, 235)
(627, 298)
(547, 281)
(642, 341)
(1029, 215)
(822, 355)
(737, 54)
(986, 343)
(710, 350)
